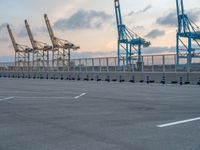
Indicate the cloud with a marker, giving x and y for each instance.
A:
(155, 33)
(100, 54)
(159, 50)
(35, 31)
(83, 20)
(41, 29)
(194, 14)
(168, 20)
(145, 51)
(140, 11)
(3, 32)
(146, 8)
(138, 28)
(88, 54)
(131, 13)
(6, 58)
(171, 18)
(22, 33)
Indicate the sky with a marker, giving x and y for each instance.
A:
(91, 24)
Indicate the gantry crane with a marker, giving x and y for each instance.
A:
(61, 48)
(187, 37)
(40, 50)
(129, 43)
(22, 53)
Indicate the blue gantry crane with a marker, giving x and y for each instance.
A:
(187, 38)
(129, 43)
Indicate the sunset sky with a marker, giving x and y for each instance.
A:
(91, 23)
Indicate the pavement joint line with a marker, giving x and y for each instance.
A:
(178, 122)
(77, 97)
(7, 98)
(41, 97)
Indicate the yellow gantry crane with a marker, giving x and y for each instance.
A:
(22, 53)
(40, 50)
(61, 48)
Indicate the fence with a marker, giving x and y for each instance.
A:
(150, 63)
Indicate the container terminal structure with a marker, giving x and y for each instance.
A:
(44, 60)
(40, 51)
(187, 38)
(37, 57)
(129, 42)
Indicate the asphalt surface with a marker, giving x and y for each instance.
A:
(80, 115)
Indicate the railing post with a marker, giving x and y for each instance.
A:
(93, 65)
(115, 64)
(79, 65)
(163, 58)
(86, 65)
(124, 64)
(107, 64)
(133, 65)
(68, 67)
(74, 66)
(152, 63)
(100, 69)
(142, 63)
(175, 60)
(188, 68)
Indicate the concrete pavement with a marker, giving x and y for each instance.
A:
(80, 115)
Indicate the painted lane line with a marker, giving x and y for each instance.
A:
(7, 98)
(178, 122)
(77, 97)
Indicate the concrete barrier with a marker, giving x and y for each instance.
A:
(157, 77)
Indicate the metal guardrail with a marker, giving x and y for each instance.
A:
(151, 63)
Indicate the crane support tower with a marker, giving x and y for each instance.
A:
(61, 55)
(187, 37)
(22, 53)
(129, 43)
(40, 51)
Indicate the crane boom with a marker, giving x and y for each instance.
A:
(50, 30)
(22, 52)
(30, 35)
(41, 50)
(12, 38)
(17, 47)
(36, 44)
(58, 43)
(61, 48)
(118, 15)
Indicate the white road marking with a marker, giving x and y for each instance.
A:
(7, 98)
(178, 122)
(77, 97)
